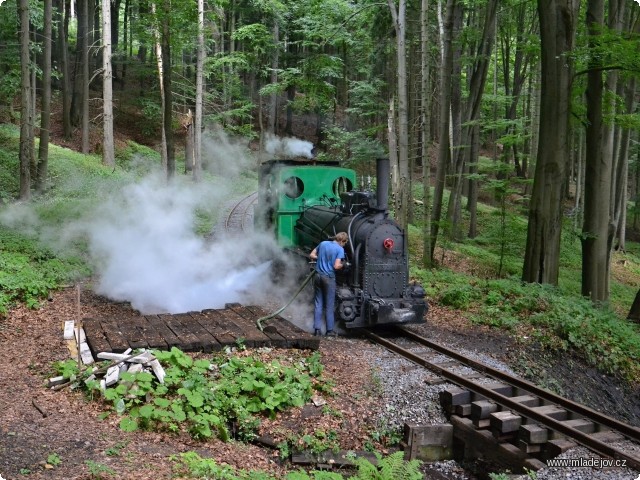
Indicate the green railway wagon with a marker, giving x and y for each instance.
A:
(287, 187)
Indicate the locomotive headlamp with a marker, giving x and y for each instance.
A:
(388, 244)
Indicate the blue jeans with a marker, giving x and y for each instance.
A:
(325, 299)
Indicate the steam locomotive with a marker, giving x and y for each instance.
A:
(304, 203)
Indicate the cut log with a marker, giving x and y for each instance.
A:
(112, 376)
(69, 326)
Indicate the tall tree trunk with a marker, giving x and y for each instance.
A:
(197, 134)
(472, 199)
(167, 86)
(85, 77)
(26, 118)
(108, 148)
(76, 97)
(45, 115)
(63, 30)
(557, 31)
(472, 111)
(163, 100)
(273, 98)
(597, 185)
(126, 43)
(404, 182)
(620, 212)
(444, 152)
(425, 96)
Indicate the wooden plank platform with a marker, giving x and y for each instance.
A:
(206, 331)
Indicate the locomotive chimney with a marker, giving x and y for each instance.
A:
(383, 170)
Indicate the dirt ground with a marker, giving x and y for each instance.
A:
(36, 422)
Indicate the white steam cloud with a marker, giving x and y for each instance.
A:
(148, 254)
(224, 155)
(288, 147)
(145, 251)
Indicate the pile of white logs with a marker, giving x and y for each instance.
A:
(142, 360)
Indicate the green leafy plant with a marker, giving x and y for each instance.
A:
(54, 459)
(29, 271)
(498, 476)
(116, 449)
(391, 467)
(98, 470)
(386, 436)
(222, 397)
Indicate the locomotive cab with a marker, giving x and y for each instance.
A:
(288, 187)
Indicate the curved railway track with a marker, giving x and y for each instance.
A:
(514, 408)
(240, 217)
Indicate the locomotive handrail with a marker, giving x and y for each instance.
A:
(349, 231)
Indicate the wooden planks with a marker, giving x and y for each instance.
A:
(206, 331)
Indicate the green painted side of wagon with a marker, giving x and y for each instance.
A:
(288, 189)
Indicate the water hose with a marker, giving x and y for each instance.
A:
(262, 319)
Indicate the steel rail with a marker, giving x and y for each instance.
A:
(250, 199)
(627, 430)
(593, 444)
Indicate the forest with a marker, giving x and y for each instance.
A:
(536, 100)
(513, 132)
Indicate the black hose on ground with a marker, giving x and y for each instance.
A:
(271, 315)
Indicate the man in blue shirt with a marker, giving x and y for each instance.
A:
(329, 256)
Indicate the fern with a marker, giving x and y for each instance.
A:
(392, 467)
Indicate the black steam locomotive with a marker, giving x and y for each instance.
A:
(304, 203)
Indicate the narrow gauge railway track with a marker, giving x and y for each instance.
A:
(519, 403)
(241, 214)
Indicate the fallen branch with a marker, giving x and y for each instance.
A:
(39, 408)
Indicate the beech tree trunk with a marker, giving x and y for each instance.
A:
(197, 132)
(558, 20)
(167, 87)
(471, 112)
(108, 148)
(26, 118)
(403, 182)
(63, 30)
(45, 115)
(85, 77)
(444, 152)
(425, 96)
(597, 188)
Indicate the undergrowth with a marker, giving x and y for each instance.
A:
(391, 467)
(28, 271)
(224, 397)
(550, 316)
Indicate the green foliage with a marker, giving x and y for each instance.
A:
(355, 148)
(9, 144)
(552, 316)
(387, 437)
(221, 397)
(392, 467)
(317, 442)
(98, 470)
(459, 296)
(116, 449)
(54, 459)
(151, 111)
(499, 476)
(29, 271)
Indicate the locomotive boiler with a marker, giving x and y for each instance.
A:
(305, 203)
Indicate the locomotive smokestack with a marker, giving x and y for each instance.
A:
(383, 170)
